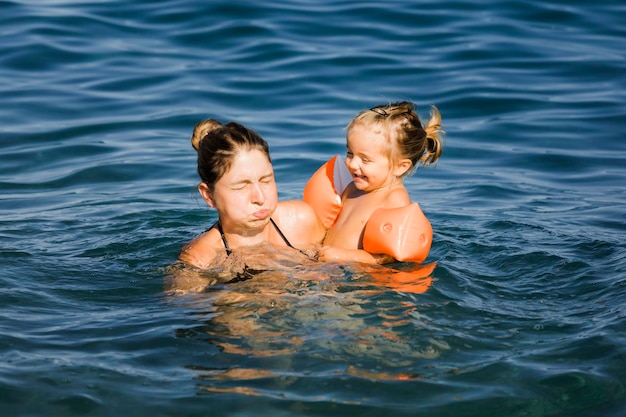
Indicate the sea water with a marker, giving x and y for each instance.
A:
(525, 312)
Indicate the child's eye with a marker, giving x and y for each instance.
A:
(349, 154)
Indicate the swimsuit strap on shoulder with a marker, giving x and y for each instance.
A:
(218, 224)
(282, 235)
(219, 228)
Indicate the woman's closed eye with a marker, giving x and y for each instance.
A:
(246, 184)
(240, 186)
(267, 180)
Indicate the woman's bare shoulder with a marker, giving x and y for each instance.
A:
(296, 210)
(202, 250)
(298, 218)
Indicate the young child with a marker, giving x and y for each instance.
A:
(384, 145)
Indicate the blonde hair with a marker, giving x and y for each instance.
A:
(406, 137)
(201, 129)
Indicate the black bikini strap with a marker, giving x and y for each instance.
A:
(219, 228)
(281, 233)
(218, 224)
(287, 241)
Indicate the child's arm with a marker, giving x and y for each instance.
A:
(403, 234)
(335, 254)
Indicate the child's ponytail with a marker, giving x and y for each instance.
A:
(434, 138)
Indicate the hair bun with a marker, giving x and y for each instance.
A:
(202, 129)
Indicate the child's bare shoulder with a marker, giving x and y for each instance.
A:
(398, 197)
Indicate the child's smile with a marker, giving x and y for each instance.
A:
(367, 160)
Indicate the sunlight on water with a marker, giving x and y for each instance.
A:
(518, 309)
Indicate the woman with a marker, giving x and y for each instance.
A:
(237, 179)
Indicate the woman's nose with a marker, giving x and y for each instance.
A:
(258, 194)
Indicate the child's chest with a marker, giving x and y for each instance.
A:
(358, 210)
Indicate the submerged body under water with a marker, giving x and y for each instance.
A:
(292, 309)
(319, 334)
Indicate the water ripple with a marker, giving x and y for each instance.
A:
(97, 183)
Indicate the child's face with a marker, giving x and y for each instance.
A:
(367, 158)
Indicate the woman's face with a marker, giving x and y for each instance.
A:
(246, 195)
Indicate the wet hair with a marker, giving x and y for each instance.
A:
(406, 137)
(217, 145)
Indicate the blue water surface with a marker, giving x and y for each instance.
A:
(525, 314)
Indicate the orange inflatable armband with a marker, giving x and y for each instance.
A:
(404, 233)
(324, 188)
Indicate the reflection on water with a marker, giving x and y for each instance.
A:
(524, 310)
(340, 317)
